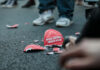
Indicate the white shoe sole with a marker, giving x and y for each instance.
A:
(11, 6)
(4, 6)
(58, 25)
(47, 22)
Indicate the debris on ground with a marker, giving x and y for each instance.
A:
(50, 53)
(42, 40)
(56, 49)
(33, 47)
(53, 40)
(22, 41)
(59, 52)
(77, 33)
(12, 26)
(46, 48)
(53, 37)
(27, 23)
(35, 41)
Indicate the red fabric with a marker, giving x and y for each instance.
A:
(14, 26)
(53, 37)
(33, 47)
(56, 49)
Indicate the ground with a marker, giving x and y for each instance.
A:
(12, 56)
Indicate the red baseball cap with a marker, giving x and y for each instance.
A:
(53, 37)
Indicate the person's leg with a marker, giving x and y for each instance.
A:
(46, 5)
(66, 9)
(4, 2)
(11, 3)
(46, 12)
(29, 4)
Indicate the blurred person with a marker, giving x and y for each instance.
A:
(93, 4)
(9, 3)
(3, 2)
(84, 51)
(46, 7)
(85, 56)
(79, 2)
(88, 30)
(86, 3)
(29, 4)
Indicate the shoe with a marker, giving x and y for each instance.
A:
(63, 22)
(4, 2)
(4, 6)
(10, 4)
(46, 17)
(29, 4)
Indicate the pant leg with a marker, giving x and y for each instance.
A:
(31, 0)
(46, 5)
(11, 2)
(66, 8)
(14, 1)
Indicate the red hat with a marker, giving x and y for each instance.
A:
(33, 47)
(53, 37)
(56, 49)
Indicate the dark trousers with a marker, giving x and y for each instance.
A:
(65, 7)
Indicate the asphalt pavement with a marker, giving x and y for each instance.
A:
(13, 41)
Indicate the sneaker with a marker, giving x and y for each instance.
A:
(4, 6)
(4, 2)
(29, 4)
(44, 18)
(10, 4)
(63, 22)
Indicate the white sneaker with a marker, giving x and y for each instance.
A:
(9, 6)
(63, 22)
(8, 2)
(46, 17)
(4, 6)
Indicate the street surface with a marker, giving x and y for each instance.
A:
(13, 41)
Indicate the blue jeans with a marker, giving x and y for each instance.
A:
(65, 7)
